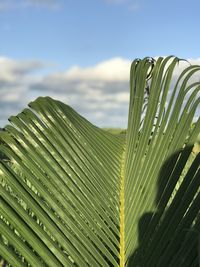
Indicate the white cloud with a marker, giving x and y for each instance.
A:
(15, 94)
(16, 76)
(12, 70)
(100, 89)
(116, 69)
(99, 92)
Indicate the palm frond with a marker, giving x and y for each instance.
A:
(75, 195)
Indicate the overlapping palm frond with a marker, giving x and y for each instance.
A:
(75, 195)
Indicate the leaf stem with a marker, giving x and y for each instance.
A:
(122, 239)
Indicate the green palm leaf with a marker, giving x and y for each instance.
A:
(75, 195)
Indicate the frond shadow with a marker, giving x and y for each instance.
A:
(170, 236)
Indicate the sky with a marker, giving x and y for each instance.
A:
(80, 52)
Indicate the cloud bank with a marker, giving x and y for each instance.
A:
(100, 93)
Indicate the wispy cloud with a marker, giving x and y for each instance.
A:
(134, 6)
(130, 4)
(6, 5)
(116, 1)
(43, 3)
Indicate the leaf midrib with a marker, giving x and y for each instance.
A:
(122, 237)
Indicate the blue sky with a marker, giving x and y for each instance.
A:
(80, 51)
